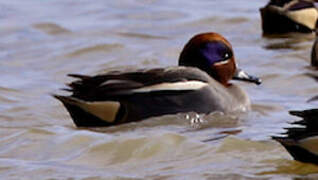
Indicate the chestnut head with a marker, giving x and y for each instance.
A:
(213, 54)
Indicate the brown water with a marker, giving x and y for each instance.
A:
(42, 41)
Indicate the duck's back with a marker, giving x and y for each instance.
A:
(117, 97)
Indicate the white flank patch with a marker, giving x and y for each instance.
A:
(221, 63)
(105, 110)
(310, 143)
(188, 85)
(306, 17)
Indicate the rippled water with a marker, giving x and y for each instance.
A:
(42, 41)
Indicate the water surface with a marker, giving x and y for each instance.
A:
(42, 41)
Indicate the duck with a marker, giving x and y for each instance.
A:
(285, 16)
(302, 141)
(200, 83)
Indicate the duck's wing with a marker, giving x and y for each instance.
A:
(115, 84)
(292, 5)
(302, 141)
(117, 97)
(301, 5)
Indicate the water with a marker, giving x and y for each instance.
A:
(42, 41)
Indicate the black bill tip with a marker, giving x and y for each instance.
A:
(243, 76)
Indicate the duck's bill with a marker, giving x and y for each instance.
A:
(243, 76)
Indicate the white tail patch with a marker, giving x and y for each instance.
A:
(310, 143)
(177, 86)
(105, 110)
(306, 17)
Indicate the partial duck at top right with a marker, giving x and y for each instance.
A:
(286, 16)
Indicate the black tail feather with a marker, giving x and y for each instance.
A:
(79, 76)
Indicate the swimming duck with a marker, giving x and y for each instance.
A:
(199, 84)
(302, 141)
(284, 16)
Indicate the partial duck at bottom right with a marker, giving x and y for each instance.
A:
(301, 141)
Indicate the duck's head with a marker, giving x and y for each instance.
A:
(213, 54)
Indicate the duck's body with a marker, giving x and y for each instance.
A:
(200, 85)
(141, 94)
(284, 16)
(302, 142)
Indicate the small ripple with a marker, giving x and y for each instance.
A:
(266, 109)
(232, 143)
(103, 48)
(217, 20)
(286, 166)
(133, 149)
(237, 20)
(141, 36)
(51, 28)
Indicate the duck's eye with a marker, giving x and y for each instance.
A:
(226, 55)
